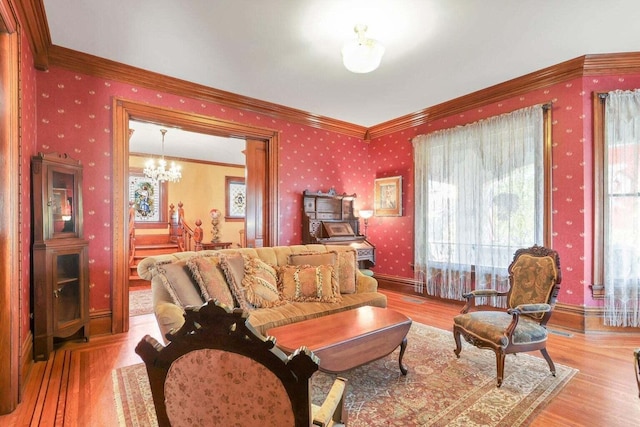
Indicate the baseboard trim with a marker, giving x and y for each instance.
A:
(100, 323)
(26, 362)
(566, 316)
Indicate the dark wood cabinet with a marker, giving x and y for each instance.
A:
(329, 219)
(60, 272)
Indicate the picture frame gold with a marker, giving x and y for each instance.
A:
(388, 196)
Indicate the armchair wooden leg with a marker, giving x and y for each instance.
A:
(546, 356)
(500, 366)
(456, 336)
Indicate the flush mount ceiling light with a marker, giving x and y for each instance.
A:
(160, 172)
(362, 55)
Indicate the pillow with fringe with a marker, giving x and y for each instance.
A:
(306, 283)
(260, 284)
(344, 262)
(208, 274)
(179, 283)
(233, 267)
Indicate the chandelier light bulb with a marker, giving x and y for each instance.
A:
(160, 172)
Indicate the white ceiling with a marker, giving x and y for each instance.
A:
(288, 52)
(178, 143)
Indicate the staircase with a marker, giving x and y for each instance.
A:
(148, 245)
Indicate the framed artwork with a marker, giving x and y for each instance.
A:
(236, 198)
(150, 200)
(388, 196)
(334, 229)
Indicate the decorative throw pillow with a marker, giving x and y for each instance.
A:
(347, 266)
(208, 274)
(179, 283)
(233, 267)
(308, 283)
(344, 262)
(260, 284)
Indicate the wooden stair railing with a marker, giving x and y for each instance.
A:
(188, 238)
(132, 232)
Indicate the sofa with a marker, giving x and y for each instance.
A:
(275, 285)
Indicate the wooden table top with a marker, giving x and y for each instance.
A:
(368, 329)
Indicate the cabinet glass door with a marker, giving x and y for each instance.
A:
(63, 204)
(66, 290)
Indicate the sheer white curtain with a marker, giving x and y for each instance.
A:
(622, 209)
(479, 197)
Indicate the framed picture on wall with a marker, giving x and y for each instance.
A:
(388, 196)
(149, 199)
(236, 198)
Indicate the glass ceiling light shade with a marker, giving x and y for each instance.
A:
(362, 55)
(160, 172)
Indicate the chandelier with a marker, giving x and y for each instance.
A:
(362, 55)
(160, 172)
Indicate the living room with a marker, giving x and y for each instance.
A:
(69, 109)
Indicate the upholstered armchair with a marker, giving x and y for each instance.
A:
(534, 282)
(218, 370)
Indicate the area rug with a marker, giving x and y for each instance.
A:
(140, 302)
(439, 390)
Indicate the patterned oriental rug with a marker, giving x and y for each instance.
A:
(439, 389)
(140, 302)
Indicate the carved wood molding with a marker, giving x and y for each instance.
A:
(100, 67)
(34, 20)
(587, 65)
(46, 54)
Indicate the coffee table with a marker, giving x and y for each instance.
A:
(348, 339)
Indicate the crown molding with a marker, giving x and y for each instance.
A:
(33, 18)
(45, 54)
(92, 65)
(587, 65)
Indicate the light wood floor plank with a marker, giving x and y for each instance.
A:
(75, 388)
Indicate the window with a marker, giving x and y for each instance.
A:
(617, 206)
(236, 200)
(481, 193)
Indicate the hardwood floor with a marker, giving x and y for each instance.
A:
(74, 388)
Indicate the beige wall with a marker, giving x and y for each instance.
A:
(201, 189)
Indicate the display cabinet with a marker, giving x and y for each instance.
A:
(60, 281)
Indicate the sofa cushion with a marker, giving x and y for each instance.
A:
(311, 258)
(267, 318)
(260, 284)
(344, 263)
(208, 274)
(179, 283)
(308, 283)
(233, 267)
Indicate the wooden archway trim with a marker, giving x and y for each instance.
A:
(125, 110)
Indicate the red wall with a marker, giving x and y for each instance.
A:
(28, 124)
(74, 117)
(572, 180)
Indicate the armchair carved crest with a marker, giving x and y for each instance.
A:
(534, 283)
(218, 370)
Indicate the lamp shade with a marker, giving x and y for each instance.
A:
(366, 213)
(362, 55)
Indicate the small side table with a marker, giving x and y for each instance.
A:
(215, 245)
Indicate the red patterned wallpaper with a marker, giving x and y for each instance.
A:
(28, 123)
(74, 117)
(572, 180)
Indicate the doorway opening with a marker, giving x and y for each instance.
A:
(261, 182)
